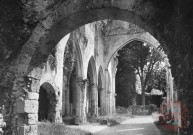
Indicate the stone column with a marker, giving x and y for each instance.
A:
(114, 71)
(113, 93)
(106, 93)
(25, 110)
(81, 100)
(67, 101)
(94, 100)
(102, 100)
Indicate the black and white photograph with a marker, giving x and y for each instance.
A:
(96, 67)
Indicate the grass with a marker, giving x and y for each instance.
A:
(47, 128)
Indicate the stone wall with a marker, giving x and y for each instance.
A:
(31, 30)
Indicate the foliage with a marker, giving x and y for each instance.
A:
(125, 84)
(158, 81)
(143, 59)
(47, 128)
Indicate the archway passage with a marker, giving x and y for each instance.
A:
(92, 93)
(72, 92)
(43, 105)
(47, 103)
(100, 91)
(140, 66)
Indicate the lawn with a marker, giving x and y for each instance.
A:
(47, 128)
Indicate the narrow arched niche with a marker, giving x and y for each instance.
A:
(72, 92)
(91, 89)
(100, 90)
(47, 103)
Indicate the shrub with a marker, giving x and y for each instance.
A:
(152, 108)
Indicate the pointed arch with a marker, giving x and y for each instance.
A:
(79, 61)
(91, 70)
(100, 78)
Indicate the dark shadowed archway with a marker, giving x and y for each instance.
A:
(47, 103)
(101, 91)
(92, 95)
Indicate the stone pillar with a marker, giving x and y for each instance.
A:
(114, 71)
(107, 92)
(81, 100)
(94, 100)
(108, 111)
(102, 100)
(25, 110)
(113, 93)
(67, 101)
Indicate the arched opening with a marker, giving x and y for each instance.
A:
(92, 92)
(139, 65)
(72, 92)
(112, 13)
(77, 19)
(100, 90)
(47, 103)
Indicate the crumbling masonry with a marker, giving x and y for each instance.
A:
(62, 51)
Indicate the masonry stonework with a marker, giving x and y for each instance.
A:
(33, 40)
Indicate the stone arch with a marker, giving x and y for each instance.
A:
(56, 31)
(47, 103)
(144, 37)
(92, 71)
(92, 95)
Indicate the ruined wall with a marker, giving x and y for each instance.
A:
(119, 33)
(28, 37)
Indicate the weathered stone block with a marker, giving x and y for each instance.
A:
(33, 96)
(32, 119)
(26, 106)
(35, 86)
(28, 130)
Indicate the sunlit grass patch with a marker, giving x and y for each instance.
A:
(47, 128)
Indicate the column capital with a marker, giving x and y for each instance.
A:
(82, 82)
(93, 85)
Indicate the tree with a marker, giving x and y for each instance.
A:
(158, 80)
(144, 59)
(125, 84)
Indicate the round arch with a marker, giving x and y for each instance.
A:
(75, 20)
(47, 103)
